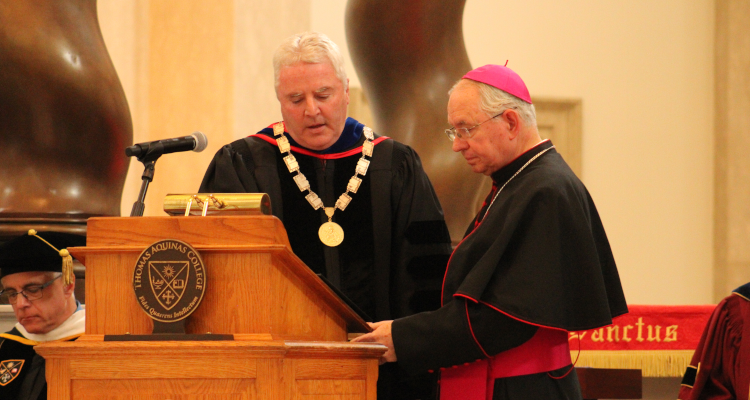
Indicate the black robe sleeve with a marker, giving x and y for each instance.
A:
(421, 241)
(459, 332)
(230, 172)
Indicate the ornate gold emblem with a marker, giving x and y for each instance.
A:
(9, 370)
(169, 280)
(331, 234)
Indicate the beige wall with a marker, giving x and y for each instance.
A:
(643, 69)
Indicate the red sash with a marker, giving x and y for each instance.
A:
(547, 351)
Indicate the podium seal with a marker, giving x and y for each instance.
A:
(169, 281)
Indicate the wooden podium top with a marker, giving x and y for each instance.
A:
(198, 231)
(256, 287)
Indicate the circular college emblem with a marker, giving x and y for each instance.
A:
(169, 280)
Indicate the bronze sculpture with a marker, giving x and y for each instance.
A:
(408, 54)
(64, 119)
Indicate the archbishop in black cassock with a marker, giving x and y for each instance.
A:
(534, 264)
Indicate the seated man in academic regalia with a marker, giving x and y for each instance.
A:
(358, 207)
(36, 274)
(720, 368)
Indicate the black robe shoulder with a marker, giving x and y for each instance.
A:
(540, 255)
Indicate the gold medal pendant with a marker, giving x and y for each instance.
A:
(331, 233)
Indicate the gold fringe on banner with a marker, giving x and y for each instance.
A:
(652, 363)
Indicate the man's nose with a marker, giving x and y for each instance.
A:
(459, 144)
(22, 301)
(311, 108)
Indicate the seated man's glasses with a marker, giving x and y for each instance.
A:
(30, 292)
(465, 133)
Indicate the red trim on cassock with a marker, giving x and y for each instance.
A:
(447, 266)
(468, 319)
(508, 315)
(332, 156)
(476, 225)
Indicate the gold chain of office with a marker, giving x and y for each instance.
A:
(330, 233)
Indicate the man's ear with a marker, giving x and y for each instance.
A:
(513, 119)
(69, 289)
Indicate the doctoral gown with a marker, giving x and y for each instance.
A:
(536, 256)
(720, 368)
(396, 244)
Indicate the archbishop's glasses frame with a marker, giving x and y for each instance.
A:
(465, 133)
(30, 292)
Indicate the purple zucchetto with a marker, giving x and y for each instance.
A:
(502, 78)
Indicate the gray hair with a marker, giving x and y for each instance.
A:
(493, 101)
(311, 48)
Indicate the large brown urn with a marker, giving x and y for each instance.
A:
(64, 119)
(408, 54)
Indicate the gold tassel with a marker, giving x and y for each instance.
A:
(67, 267)
(67, 260)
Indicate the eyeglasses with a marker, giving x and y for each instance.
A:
(465, 133)
(31, 292)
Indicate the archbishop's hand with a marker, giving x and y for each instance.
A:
(381, 333)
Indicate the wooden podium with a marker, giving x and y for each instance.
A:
(289, 329)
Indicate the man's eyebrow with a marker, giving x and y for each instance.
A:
(323, 89)
(460, 123)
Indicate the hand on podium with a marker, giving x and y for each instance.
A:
(381, 333)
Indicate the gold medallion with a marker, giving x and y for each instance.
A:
(331, 234)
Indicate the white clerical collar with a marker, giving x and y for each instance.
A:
(75, 325)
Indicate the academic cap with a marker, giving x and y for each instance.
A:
(502, 78)
(29, 253)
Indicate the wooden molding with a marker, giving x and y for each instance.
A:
(560, 120)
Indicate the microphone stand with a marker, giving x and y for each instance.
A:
(149, 161)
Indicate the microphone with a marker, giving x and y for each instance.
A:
(196, 142)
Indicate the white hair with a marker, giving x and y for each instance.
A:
(493, 101)
(310, 48)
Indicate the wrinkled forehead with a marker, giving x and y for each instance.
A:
(464, 104)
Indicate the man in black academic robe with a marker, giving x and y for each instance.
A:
(534, 264)
(395, 244)
(43, 300)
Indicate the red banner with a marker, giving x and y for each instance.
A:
(648, 328)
